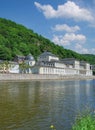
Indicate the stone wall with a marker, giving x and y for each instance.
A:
(26, 76)
(40, 77)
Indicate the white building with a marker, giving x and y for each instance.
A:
(13, 67)
(85, 68)
(48, 63)
(28, 61)
(47, 56)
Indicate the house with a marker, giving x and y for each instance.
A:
(19, 59)
(22, 64)
(13, 67)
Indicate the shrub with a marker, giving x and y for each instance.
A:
(84, 122)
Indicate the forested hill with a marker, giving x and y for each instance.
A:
(16, 39)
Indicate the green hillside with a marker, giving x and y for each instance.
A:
(16, 39)
(90, 58)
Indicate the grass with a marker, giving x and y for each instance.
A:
(85, 122)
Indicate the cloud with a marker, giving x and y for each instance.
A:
(67, 10)
(65, 27)
(80, 49)
(68, 38)
(59, 40)
(48, 10)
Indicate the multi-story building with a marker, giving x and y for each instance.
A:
(48, 63)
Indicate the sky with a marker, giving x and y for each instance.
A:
(68, 23)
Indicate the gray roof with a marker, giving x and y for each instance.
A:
(83, 62)
(29, 57)
(46, 53)
(19, 56)
(68, 59)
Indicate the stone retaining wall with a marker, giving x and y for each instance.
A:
(26, 77)
(40, 77)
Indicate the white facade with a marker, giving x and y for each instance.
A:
(59, 65)
(71, 61)
(50, 64)
(13, 67)
(52, 70)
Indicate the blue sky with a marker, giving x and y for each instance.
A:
(68, 23)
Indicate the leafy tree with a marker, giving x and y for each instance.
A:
(24, 67)
(16, 39)
(4, 66)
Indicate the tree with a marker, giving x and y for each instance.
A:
(16, 39)
(4, 66)
(24, 67)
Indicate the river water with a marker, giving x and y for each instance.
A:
(36, 105)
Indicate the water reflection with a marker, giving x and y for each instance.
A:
(35, 105)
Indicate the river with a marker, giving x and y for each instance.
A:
(36, 105)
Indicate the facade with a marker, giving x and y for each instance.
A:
(22, 64)
(29, 61)
(13, 67)
(47, 56)
(50, 64)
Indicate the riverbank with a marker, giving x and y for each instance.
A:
(12, 77)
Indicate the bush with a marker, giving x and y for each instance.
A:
(85, 122)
